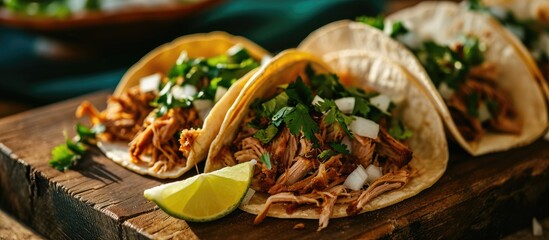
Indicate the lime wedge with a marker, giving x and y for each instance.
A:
(204, 197)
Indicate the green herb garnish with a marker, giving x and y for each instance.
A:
(377, 22)
(266, 159)
(299, 120)
(398, 131)
(267, 134)
(220, 71)
(66, 155)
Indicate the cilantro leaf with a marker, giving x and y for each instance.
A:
(397, 29)
(328, 86)
(300, 120)
(340, 148)
(299, 92)
(326, 154)
(362, 107)
(398, 131)
(472, 51)
(333, 114)
(376, 22)
(442, 64)
(266, 159)
(279, 116)
(272, 106)
(62, 158)
(267, 134)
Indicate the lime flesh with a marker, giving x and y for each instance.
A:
(204, 197)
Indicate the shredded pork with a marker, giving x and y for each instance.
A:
(124, 116)
(482, 81)
(297, 177)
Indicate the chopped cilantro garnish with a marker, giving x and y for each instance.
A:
(221, 71)
(376, 22)
(326, 154)
(328, 86)
(274, 105)
(398, 29)
(278, 118)
(442, 64)
(267, 134)
(266, 159)
(337, 148)
(64, 156)
(472, 51)
(299, 92)
(300, 120)
(398, 131)
(333, 114)
(340, 148)
(362, 107)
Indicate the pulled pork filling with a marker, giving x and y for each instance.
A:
(492, 108)
(163, 116)
(297, 169)
(124, 116)
(469, 86)
(466, 82)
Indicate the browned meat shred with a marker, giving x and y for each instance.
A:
(482, 81)
(395, 151)
(123, 117)
(159, 139)
(299, 177)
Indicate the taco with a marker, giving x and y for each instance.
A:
(526, 27)
(473, 75)
(170, 105)
(327, 145)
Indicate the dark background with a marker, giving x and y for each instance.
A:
(36, 70)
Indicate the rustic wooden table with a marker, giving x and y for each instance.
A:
(485, 197)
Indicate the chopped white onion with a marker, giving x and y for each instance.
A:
(381, 101)
(345, 105)
(249, 194)
(234, 49)
(347, 142)
(203, 106)
(150, 83)
(356, 179)
(316, 100)
(483, 113)
(445, 91)
(537, 229)
(185, 91)
(373, 173)
(220, 92)
(182, 57)
(266, 59)
(364, 127)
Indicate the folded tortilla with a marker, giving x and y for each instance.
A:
(161, 60)
(444, 22)
(529, 10)
(367, 70)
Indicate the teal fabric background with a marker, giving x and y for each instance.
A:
(28, 77)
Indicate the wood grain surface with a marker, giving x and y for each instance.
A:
(485, 197)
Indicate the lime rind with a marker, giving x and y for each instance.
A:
(179, 200)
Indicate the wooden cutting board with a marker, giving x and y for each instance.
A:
(484, 197)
